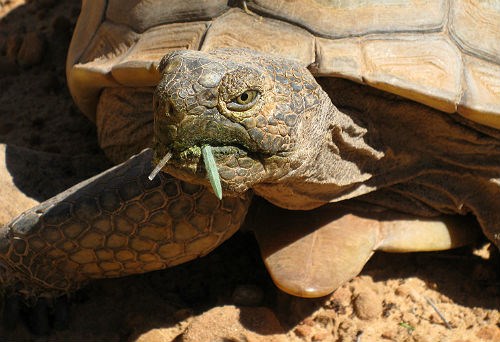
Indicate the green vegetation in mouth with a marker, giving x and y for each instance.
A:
(193, 152)
(212, 172)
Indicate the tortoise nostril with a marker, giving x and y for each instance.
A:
(164, 109)
(170, 112)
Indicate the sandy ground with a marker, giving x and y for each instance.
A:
(228, 295)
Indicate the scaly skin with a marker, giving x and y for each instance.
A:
(289, 143)
(295, 148)
(115, 224)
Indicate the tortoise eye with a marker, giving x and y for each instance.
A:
(244, 101)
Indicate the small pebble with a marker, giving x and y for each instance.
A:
(302, 330)
(248, 295)
(342, 296)
(389, 335)
(367, 305)
(406, 290)
(321, 336)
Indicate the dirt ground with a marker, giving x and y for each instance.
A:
(226, 296)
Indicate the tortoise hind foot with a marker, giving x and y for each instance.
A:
(312, 253)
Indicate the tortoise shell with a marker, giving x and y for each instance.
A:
(443, 54)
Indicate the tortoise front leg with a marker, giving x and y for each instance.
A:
(115, 224)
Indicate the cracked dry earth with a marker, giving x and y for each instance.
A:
(226, 296)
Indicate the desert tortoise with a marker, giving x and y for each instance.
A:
(384, 162)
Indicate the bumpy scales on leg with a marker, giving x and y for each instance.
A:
(115, 224)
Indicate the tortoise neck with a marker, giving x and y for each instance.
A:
(335, 158)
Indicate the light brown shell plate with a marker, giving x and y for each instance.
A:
(445, 58)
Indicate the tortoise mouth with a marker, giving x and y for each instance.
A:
(237, 168)
(219, 150)
(191, 157)
(229, 156)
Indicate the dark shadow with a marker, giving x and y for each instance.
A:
(41, 175)
(36, 110)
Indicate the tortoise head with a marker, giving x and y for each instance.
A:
(264, 117)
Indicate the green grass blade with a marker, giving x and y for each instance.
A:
(212, 172)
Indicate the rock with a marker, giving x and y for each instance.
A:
(303, 330)
(231, 323)
(391, 334)
(410, 291)
(367, 305)
(340, 300)
(321, 336)
(248, 295)
(32, 49)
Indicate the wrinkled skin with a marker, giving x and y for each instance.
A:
(278, 138)
(292, 146)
